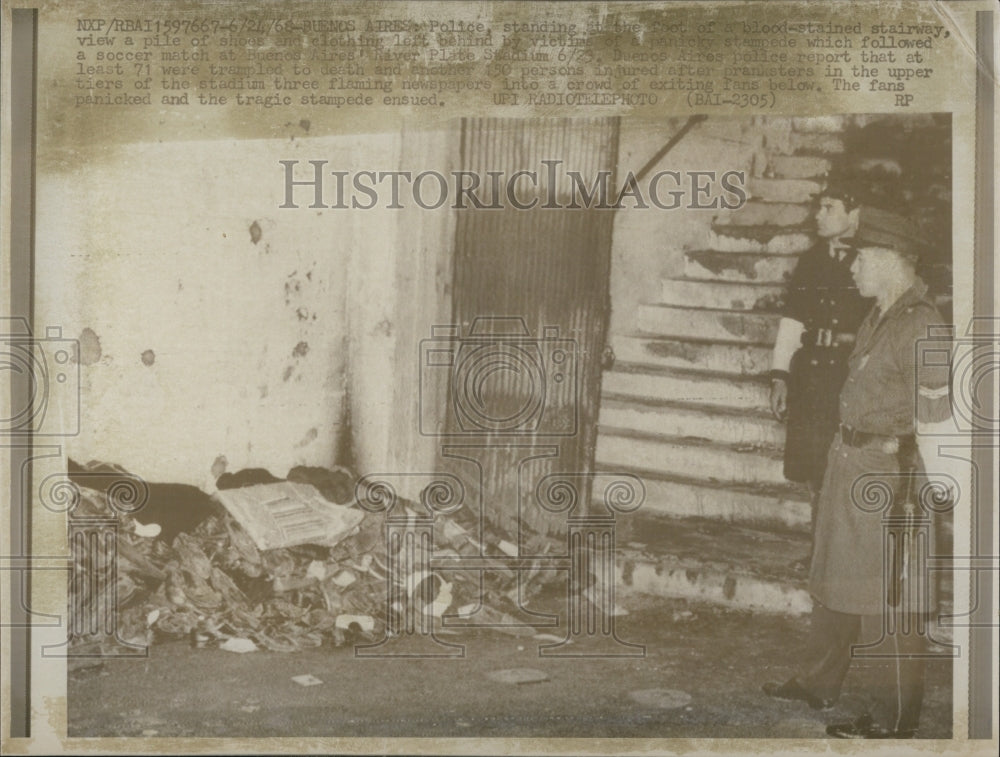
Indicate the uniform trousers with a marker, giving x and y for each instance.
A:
(893, 659)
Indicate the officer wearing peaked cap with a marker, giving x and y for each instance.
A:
(855, 576)
(821, 315)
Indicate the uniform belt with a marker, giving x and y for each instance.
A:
(826, 338)
(854, 438)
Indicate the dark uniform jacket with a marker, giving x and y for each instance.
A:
(823, 297)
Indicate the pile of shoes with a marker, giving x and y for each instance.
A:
(216, 585)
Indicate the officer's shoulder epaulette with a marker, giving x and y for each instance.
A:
(921, 304)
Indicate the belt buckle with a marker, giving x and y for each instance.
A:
(824, 337)
(847, 435)
(890, 446)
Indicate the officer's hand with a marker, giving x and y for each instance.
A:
(779, 398)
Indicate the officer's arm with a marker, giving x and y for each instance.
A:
(935, 423)
(799, 299)
(945, 466)
(785, 346)
(788, 341)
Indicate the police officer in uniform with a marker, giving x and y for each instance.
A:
(821, 316)
(855, 577)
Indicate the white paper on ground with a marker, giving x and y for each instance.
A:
(287, 514)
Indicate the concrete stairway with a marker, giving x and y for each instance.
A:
(686, 405)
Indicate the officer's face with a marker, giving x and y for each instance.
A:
(832, 218)
(869, 270)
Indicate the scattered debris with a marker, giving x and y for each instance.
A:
(364, 622)
(503, 622)
(288, 514)
(317, 570)
(238, 645)
(307, 680)
(200, 639)
(664, 699)
(507, 548)
(617, 611)
(344, 579)
(336, 484)
(517, 676)
(551, 637)
(245, 477)
(443, 600)
(147, 531)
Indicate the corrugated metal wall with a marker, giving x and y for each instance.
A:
(549, 267)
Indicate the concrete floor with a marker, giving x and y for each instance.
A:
(718, 657)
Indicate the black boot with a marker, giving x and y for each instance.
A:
(865, 728)
(792, 690)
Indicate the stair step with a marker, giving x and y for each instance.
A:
(761, 232)
(722, 357)
(759, 213)
(690, 420)
(723, 295)
(726, 238)
(716, 562)
(817, 143)
(784, 190)
(684, 456)
(819, 124)
(677, 385)
(739, 266)
(809, 144)
(730, 325)
(736, 239)
(782, 507)
(723, 585)
(798, 166)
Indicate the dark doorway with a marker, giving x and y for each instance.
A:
(531, 297)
